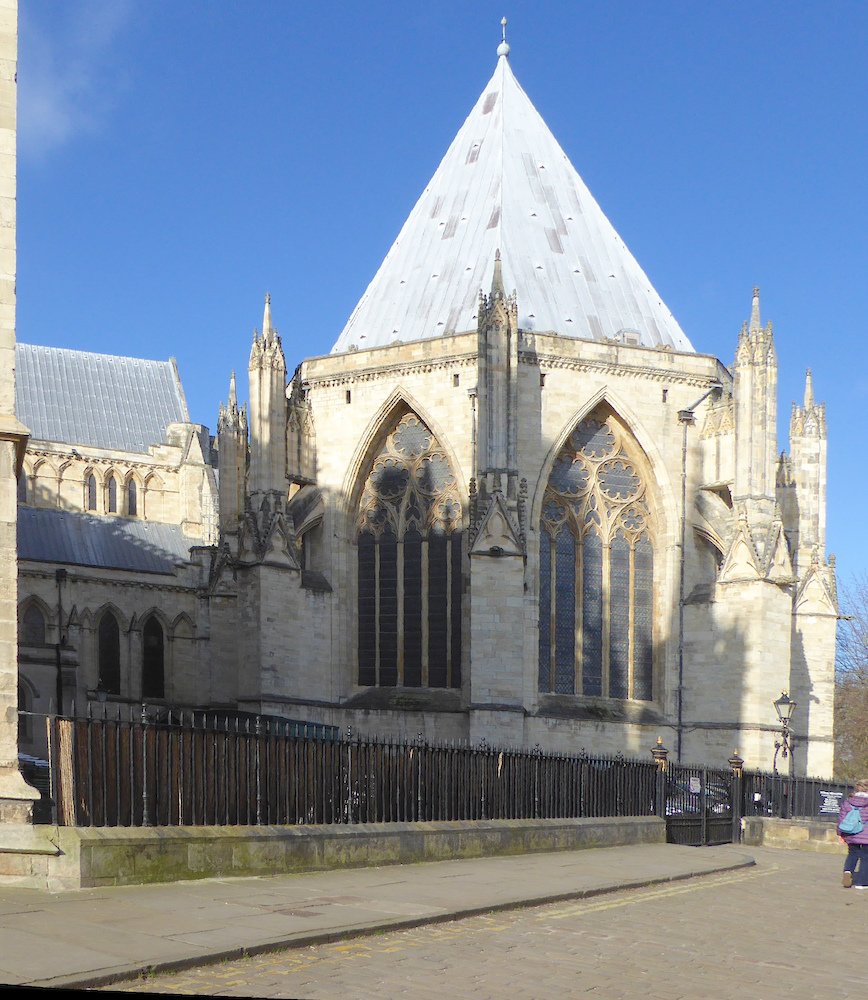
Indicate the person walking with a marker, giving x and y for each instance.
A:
(856, 865)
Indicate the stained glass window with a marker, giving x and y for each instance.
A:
(409, 564)
(596, 594)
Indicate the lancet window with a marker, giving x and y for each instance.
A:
(132, 497)
(91, 492)
(112, 495)
(109, 654)
(409, 564)
(153, 659)
(596, 595)
(33, 627)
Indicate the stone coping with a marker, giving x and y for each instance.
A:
(106, 856)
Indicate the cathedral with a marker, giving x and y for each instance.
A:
(513, 504)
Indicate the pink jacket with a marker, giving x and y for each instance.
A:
(858, 800)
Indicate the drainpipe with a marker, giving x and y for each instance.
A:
(60, 577)
(686, 418)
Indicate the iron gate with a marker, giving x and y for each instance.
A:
(699, 806)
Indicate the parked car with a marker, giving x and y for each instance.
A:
(682, 800)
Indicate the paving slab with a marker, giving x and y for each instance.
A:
(91, 937)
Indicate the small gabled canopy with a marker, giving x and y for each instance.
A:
(505, 184)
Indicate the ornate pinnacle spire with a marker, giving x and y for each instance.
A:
(503, 48)
(267, 325)
(497, 278)
(755, 325)
(809, 390)
(233, 399)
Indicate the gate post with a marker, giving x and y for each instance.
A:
(737, 794)
(660, 755)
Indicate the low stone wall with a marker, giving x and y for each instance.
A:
(74, 857)
(794, 834)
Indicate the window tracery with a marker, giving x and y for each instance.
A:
(409, 564)
(596, 567)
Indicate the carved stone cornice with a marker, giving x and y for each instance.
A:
(139, 583)
(375, 373)
(553, 362)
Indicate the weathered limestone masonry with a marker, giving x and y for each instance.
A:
(111, 568)
(513, 504)
(79, 858)
(15, 796)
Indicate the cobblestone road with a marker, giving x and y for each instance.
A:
(784, 929)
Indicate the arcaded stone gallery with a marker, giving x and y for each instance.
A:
(514, 503)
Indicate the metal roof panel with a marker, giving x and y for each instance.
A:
(105, 542)
(505, 184)
(96, 400)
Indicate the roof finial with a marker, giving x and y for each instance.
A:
(503, 48)
(233, 398)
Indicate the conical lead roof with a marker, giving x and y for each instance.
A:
(505, 184)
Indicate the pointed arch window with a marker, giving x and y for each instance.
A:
(132, 498)
(153, 659)
(91, 492)
(597, 566)
(112, 495)
(109, 654)
(33, 627)
(409, 564)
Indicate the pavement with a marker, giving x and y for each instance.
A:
(781, 929)
(88, 938)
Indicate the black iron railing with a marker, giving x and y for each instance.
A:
(202, 771)
(766, 794)
(139, 768)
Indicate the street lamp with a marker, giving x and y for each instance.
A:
(785, 707)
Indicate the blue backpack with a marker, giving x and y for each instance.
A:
(852, 822)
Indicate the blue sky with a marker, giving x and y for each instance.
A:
(179, 158)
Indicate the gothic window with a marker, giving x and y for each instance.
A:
(132, 498)
(153, 662)
(112, 495)
(109, 654)
(91, 492)
(597, 567)
(409, 564)
(33, 627)
(25, 708)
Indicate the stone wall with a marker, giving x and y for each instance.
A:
(15, 795)
(792, 834)
(71, 857)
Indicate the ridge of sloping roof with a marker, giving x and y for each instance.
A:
(505, 184)
(106, 542)
(96, 400)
